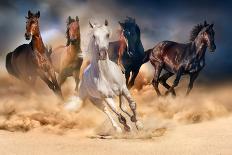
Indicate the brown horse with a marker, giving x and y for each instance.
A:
(180, 59)
(66, 59)
(28, 61)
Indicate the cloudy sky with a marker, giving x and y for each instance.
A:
(158, 20)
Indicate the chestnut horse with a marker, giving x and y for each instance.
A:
(181, 59)
(28, 61)
(66, 59)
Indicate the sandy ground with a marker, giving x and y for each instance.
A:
(33, 122)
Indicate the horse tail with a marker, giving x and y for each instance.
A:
(9, 66)
(147, 55)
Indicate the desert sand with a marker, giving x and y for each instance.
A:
(32, 122)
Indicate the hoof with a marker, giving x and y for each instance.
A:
(133, 118)
(139, 125)
(127, 128)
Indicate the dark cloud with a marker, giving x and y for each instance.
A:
(158, 19)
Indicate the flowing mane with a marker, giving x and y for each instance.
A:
(130, 22)
(196, 29)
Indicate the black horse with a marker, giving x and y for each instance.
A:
(132, 55)
(180, 59)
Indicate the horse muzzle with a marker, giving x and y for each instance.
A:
(27, 36)
(73, 41)
(103, 55)
(212, 48)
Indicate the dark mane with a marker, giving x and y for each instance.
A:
(67, 30)
(195, 31)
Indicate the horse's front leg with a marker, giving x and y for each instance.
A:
(76, 77)
(56, 86)
(163, 80)
(110, 102)
(43, 76)
(100, 105)
(193, 77)
(132, 105)
(176, 81)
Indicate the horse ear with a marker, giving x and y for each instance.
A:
(211, 25)
(205, 23)
(29, 14)
(91, 25)
(121, 24)
(69, 19)
(77, 18)
(106, 22)
(38, 14)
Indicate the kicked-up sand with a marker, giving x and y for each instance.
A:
(32, 122)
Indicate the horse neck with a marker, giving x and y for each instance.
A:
(199, 47)
(96, 66)
(37, 43)
(75, 48)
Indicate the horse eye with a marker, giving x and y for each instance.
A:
(108, 35)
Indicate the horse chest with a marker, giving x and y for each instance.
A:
(42, 61)
(195, 66)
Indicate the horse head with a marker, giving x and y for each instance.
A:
(131, 35)
(100, 40)
(204, 33)
(32, 24)
(208, 36)
(73, 30)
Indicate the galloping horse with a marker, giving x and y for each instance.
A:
(128, 51)
(28, 61)
(103, 80)
(65, 59)
(180, 59)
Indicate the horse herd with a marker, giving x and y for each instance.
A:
(99, 76)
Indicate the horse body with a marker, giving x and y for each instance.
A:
(180, 59)
(103, 80)
(66, 59)
(28, 61)
(17, 63)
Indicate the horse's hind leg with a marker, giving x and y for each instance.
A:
(100, 105)
(176, 81)
(155, 81)
(110, 102)
(132, 105)
(76, 77)
(62, 77)
(163, 80)
(57, 88)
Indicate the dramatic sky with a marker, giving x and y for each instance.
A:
(158, 20)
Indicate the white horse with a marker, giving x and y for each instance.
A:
(103, 80)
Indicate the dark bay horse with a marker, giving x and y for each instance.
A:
(28, 61)
(181, 59)
(128, 51)
(66, 59)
